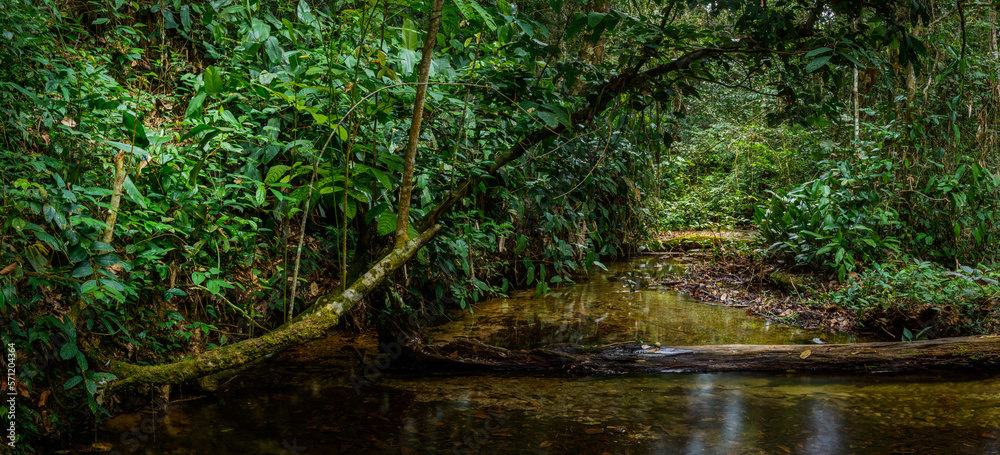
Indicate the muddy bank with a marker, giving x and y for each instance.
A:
(762, 290)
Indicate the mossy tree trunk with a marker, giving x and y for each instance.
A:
(310, 326)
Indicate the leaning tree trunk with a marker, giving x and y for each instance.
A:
(324, 316)
(634, 358)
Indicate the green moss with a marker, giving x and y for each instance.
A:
(693, 241)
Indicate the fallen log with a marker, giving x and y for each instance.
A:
(639, 359)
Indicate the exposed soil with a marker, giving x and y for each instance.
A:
(722, 272)
(719, 275)
(764, 291)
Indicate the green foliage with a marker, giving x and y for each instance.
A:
(854, 215)
(723, 169)
(903, 289)
(955, 216)
(842, 220)
(245, 128)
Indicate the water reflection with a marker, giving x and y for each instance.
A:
(303, 399)
(674, 414)
(621, 304)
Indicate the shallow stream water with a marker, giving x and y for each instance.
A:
(302, 401)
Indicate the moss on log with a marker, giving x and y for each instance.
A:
(324, 315)
(686, 241)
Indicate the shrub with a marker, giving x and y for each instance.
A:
(840, 220)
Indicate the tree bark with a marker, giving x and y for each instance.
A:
(857, 112)
(116, 197)
(993, 33)
(633, 358)
(310, 326)
(410, 153)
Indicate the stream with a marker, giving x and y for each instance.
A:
(302, 401)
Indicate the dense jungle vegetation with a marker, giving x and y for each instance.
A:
(182, 176)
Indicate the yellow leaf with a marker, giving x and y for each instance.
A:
(805, 354)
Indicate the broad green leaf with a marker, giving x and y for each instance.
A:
(72, 382)
(387, 223)
(133, 192)
(594, 18)
(194, 131)
(53, 216)
(852, 59)
(816, 52)
(409, 35)
(260, 31)
(273, 50)
(107, 260)
(504, 7)
(82, 270)
(817, 63)
(361, 196)
(213, 80)
(306, 15)
(319, 118)
(134, 129)
(101, 247)
(382, 179)
(88, 287)
(186, 17)
(68, 351)
(407, 59)
(212, 286)
(550, 119)
(77, 254)
(81, 361)
(57, 245)
(168, 18)
(487, 18)
(351, 209)
(195, 105)
(260, 195)
(172, 292)
(104, 377)
(275, 173)
(134, 149)
(113, 284)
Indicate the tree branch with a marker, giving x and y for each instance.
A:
(606, 93)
